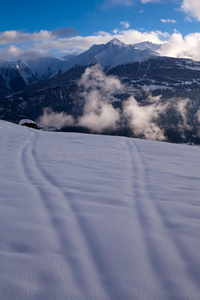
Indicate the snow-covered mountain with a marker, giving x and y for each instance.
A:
(169, 78)
(97, 217)
(16, 75)
(113, 53)
(45, 67)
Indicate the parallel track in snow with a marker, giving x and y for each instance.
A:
(166, 256)
(70, 230)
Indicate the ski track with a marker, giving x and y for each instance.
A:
(149, 217)
(51, 201)
(190, 265)
(30, 172)
(181, 251)
(90, 241)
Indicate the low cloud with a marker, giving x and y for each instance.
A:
(51, 119)
(181, 107)
(98, 114)
(99, 118)
(143, 119)
(146, 118)
(95, 79)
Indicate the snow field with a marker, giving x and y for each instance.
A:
(114, 227)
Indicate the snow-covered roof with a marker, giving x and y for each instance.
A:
(23, 121)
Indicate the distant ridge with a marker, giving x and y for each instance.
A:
(113, 53)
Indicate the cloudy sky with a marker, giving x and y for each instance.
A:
(60, 27)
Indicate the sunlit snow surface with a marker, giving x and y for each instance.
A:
(97, 217)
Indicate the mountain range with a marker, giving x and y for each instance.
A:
(112, 54)
(17, 75)
(26, 88)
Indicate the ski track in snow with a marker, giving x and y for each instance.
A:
(139, 258)
(53, 202)
(188, 264)
(150, 217)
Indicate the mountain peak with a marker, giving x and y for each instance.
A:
(115, 42)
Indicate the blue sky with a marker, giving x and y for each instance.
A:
(90, 16)
(28, 28)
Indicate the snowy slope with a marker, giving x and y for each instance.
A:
(82, 220)
(45, 67)
(112, 54)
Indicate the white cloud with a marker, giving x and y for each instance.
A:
(17, 37)
(143, 119)
(54, 119)
(99, 114)
(191, 7)
(185, 47)
(14, 52)
(125, 24)
(168, 21)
